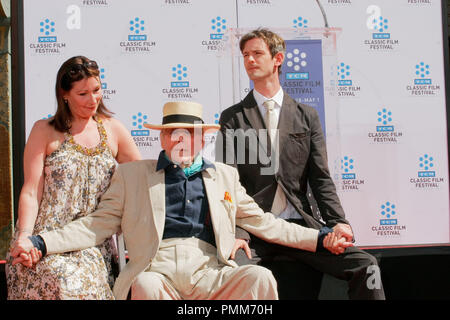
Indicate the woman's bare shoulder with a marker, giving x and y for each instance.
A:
(43, 127)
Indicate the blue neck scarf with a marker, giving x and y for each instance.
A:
(194, 167)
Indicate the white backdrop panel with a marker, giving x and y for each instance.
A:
(392, 177)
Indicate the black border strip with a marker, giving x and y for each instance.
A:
(446, 62)
(18, 98)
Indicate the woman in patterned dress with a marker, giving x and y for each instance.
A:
(68, 163)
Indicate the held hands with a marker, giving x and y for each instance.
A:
(343, 230)
(25, 253)
(335, 244)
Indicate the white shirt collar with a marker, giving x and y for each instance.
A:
(260, 99)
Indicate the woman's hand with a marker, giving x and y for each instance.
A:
(24, 252)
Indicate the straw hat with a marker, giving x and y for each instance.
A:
(182, 114)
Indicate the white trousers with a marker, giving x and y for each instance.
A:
(188, 268)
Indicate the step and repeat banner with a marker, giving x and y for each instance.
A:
(380, 92)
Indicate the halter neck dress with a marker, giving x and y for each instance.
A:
(75, 177)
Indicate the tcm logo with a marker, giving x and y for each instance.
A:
(137, 28)
(179, 74)
(384, 118)
(300, 22)
(343, 73)
(422, 72)
(138, 125)
(426, 165)
(218, 28)
(349, 180)
(295, 63)
(380, 25)
(427, 177)
(388, 210)
(347, 167)
(47, 29)
(102, 78)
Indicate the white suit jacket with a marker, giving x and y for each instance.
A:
(135, 204)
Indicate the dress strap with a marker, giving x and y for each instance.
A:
(98, 149)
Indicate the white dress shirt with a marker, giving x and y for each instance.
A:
(289, 212)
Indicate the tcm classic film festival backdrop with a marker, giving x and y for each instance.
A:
(376, 76)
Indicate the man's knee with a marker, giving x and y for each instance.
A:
(258, 275)
(262, 282)
(148, 286)
(360, 257)
(369, 260)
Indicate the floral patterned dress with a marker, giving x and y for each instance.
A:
(75, 179)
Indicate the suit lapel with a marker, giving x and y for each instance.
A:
(214, 192)
(157, 194)
(286, 122)
(209, 179)
(252, 113)
(255, 118)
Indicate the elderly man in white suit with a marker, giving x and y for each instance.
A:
(178, 216)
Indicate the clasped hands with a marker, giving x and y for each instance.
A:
(25, 252)
(336, 242)
(341, 238)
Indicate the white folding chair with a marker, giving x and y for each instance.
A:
(120, 251)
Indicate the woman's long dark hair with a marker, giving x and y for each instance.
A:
(74, 69)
